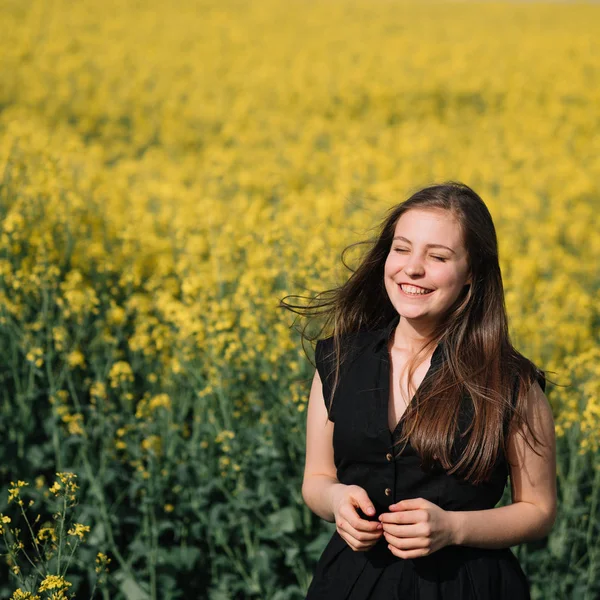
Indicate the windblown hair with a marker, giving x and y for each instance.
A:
(480, 361)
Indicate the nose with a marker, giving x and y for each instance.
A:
(414, 267)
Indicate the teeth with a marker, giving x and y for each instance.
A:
(411, 289)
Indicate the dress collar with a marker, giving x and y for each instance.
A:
(383, 334)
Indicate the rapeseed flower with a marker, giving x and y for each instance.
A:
(79, 530)
(19, 594)
(54, 582)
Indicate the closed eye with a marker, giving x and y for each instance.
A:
(404, 250)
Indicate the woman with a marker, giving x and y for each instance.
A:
(419, 410)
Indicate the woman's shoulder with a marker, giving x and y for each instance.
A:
(352, 346)
(526, 372)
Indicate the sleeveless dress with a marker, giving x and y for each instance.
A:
(364, 456)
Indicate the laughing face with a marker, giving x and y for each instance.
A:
(427, 266)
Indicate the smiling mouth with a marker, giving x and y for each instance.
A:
(413, 290)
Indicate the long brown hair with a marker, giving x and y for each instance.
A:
(480, 361)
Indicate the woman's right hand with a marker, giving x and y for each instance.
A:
(359, 534)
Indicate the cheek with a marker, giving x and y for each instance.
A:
(388, 268)
(393, 263)
(448, 278)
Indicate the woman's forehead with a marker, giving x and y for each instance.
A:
(418, 225)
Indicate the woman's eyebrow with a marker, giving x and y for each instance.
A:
(399, 237)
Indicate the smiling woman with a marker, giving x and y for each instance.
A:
(422, 278)
(420, 358)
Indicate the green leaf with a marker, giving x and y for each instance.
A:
(283, 521)
(130, 588)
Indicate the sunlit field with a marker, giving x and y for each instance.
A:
(168, 173)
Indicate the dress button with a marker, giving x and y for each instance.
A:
(389, 456)
(388, 491)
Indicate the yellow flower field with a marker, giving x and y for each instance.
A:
(169, 171)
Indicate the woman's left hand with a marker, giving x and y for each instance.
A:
(417, 527)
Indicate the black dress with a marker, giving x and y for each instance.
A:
(364, 456)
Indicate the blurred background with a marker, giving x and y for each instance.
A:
(169, 172)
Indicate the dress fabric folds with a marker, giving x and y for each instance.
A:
(364, 455)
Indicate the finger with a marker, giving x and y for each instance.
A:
(355, 543)
(408, 543)
(366, 506)
(357, 523)
(410, 504)
(362, 536)
(406, 554)
(361, 499)
(405, 531)
(405, 516)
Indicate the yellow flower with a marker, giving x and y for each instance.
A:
(120, 373)
(65, 485)
(76, 359)
(59, 335)
(14, 491)
(34, 354)
(46, 533)
(102, 562)
(19, 594)
(160, 401)
(98, 390)
(54, 582)
(223, 435)
(152, 443)
(74, 423)
(68, 479)
(79, 530)
(116, 315)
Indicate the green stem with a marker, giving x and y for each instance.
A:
(33, 538)
(62, 528)
(13, 558)
(98, 492)
(36, 568)
(75, 545)
(252, 585)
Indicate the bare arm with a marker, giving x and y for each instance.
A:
(320, 474)
(533, 483)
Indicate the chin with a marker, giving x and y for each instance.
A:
(413, 316)
(409, 312)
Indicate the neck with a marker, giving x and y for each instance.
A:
(411, 336)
